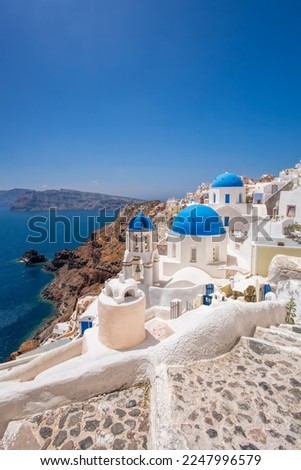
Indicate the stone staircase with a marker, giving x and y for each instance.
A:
(282, 335)
(249, 398)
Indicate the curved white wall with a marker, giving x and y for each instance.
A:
(204, 334)
(121, 326)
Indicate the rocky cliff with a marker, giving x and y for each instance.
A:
(67, 199)
(8, 197)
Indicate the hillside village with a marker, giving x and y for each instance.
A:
(200, 313)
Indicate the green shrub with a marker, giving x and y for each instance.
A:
(290, 311)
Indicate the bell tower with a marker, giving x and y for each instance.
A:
(141, 258)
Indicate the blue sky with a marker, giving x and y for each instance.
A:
(147, 98)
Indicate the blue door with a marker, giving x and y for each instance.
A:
(209, 289)
(266, 289)
(84, 325)
(227, 198)
(207, 299)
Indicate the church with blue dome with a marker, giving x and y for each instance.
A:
(227, 195)
(198, 220)
(141, 258)
(140, 223)
(227, 188)
(227, 180)
(197, 238)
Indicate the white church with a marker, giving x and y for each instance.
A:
(198, 237)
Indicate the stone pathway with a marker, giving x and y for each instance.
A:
(249, 398)
(118, 420)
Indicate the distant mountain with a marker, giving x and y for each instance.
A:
(67, 199)
(8, 197)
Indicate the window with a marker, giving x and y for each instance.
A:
(136, 246)
(174, 250)
(193, 254)
(209, 289)
(227, 198)
(215, 254)
(227, 221)
(146, 243)
(214, 198)
(290, 211)
(274, 188)
(240, 198)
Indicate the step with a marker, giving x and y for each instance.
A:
(248, 398)
(278, 337)
(294, 330)
(263, 347)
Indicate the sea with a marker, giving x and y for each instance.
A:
(22, 308)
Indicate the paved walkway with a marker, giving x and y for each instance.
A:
(118, 420)
(247, 399)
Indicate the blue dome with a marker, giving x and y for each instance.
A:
(199, 220)
(227, 180)
(140, 223)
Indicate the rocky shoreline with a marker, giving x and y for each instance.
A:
(83, 270)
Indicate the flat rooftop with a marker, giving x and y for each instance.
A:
(275, 242)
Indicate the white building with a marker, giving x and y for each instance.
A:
(197, 238)
(290, 205)
(227, 188)
(291, 174)
(227, 195)
(172, 206)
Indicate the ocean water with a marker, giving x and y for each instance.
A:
(22, 310)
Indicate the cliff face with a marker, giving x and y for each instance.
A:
(82, 271)
(8, 197)
(67, 199)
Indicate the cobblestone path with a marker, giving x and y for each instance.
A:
(247, 399)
